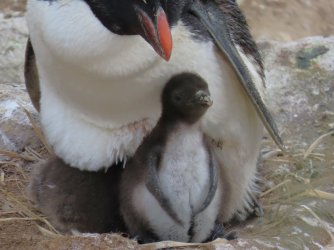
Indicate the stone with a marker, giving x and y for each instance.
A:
(15, 128)
(13, 37)
(300, 86)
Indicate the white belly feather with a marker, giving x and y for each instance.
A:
(184, 171)
(93, 83)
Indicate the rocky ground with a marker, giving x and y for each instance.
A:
(298, 186)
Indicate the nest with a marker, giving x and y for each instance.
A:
(298, 199)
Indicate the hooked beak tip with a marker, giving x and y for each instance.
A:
(207, 101)
(204, 99)
(157, 33)
(165, 36)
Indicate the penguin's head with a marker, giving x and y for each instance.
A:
(185, 97)
(146, 18)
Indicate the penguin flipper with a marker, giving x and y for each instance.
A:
(213, 180)
(31, 76)
(154, 186)
(211, 15)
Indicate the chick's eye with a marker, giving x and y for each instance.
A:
(177, 98)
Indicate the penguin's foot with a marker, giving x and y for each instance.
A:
(146, 236)
(233, 235)
(144, 240)
(219, 232)
(258, 210)
(255, 207)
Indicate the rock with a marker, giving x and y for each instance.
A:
(300, 94)
(15, 129)
(13, 37)
(300, 86)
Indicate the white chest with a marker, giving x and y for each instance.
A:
(94, 84)
(184, 171)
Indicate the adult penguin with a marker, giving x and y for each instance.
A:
(96, 68)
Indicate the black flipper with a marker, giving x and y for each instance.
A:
(213, 172)
(153, 185)
(31, 76)
(213, 18)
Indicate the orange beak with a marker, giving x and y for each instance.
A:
(157, 32)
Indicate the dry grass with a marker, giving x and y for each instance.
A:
(299, 204)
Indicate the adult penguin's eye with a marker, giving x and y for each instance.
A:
(115, 28)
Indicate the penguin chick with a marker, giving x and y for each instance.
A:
(170, 188)
(75, 200)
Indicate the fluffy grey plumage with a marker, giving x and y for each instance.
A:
(77, 200)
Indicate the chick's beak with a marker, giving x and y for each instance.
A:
(157, 32)
(203, 99)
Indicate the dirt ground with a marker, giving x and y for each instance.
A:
(268, 19)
